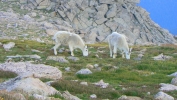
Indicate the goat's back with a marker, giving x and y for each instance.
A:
(117, 39)
(65, 37)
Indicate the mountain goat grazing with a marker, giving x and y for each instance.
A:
(118, 41)
(70, 39)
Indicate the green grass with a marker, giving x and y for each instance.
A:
(128, 78)
(84, 91)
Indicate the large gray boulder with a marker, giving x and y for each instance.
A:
(32, 86)
(28, 69)
(163, 96)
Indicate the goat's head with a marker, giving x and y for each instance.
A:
(127, 54)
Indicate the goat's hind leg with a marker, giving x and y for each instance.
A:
(114, 52)
(71, 49)
(110, 48)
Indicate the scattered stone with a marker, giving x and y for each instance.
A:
(93, 96)
(61, 50)
(148, 93)
(49, 83)
(97, 55)
(28, 69)
(173, 74)
(174, 81)
(96, 65)
(39, 40)
(102, 84)
(98, 68)
(140, 55)
(48, 25)
(84, 71)
(60, 59)
(27, 18)
(67, 69)
(51, 32)
(32, 86)
(34, 50)
(8, 46)
(33, 14)
(69, 96)
(124, 97)
(115, 67)
(84, 83)
(73, 58)
(25, 56)
(137, 58)
(163, 96)
(167, 87)
(162, 57)
(89, 66)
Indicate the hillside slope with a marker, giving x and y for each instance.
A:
(95, 19)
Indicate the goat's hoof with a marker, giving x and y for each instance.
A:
(55, 53)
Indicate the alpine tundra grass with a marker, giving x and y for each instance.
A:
(125, 77)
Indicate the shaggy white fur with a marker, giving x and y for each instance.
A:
(70, 39)
(118, 41)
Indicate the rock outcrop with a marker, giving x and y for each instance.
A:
(28, 69)
(28, 80)
(95, 19)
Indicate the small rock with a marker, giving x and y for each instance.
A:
(96, 65)
(98, 68)
(93, 96)
(124, 97)
(69, 96)
(73, 58)
(84, 71)
(49, 83)
(148, 93)
(61, 50)
(60, 59)
(167, 87)
(67, 69)
(34, 50)
(97, 55)
(163, 96)
(102, 84)
(162, 57)
(8, 46)
(84, 83)
(89, 66)
(174, 81)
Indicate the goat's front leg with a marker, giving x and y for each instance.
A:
(110, 48)
(55, 48)
(71, 49)
(122, 52)
(115, 52)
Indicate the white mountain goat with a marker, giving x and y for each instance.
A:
(70, 39)
(118, 41)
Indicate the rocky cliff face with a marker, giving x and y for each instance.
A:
(94, 20)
